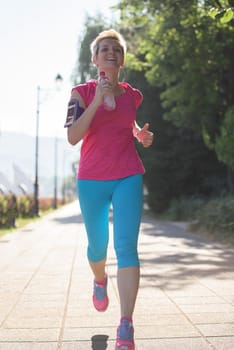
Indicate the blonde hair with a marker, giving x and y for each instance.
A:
(107, 34)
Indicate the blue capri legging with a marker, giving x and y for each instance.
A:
(125, 196)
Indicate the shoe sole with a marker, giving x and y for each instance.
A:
(102, 310)
(125, 347)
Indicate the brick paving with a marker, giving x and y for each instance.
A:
(185, 301)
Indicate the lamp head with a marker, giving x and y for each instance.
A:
(58, 80)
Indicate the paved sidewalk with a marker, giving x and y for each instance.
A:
(185, 302)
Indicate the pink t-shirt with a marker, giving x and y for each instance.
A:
(108, 150)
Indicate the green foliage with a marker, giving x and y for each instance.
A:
(181, 166)
(8, 210)
(214, 217)
(217, 216)
(13, 208)
(178, 163)
(185, 208)
(25, 206)
(224, 144)
(189, 58)
(224, 15)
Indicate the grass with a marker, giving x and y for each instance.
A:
(212, 219)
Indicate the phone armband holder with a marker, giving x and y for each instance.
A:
(74, 111)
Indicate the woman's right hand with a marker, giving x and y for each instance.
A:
(103, 88)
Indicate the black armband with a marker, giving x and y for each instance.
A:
(74, 111)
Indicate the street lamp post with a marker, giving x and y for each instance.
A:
(36, 185)
(55, 172)
(58, 80)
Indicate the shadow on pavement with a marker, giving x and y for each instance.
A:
(73, 219)
(175, 256)
(99, 342)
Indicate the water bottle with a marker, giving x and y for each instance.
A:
(109, 99)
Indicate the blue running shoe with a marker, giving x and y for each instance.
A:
(125, 335)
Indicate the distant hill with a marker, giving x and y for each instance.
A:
(19, 150)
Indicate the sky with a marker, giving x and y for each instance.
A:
(38, 40)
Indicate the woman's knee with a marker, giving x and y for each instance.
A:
(96, 253)
(127, 256)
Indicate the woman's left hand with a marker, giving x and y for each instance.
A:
(145, 136)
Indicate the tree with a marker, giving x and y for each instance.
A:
(224, 145)
(189, 57)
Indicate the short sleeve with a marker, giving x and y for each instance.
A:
(86, 91)
(138, 97)
(136, 94)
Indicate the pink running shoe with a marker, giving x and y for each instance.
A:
(100, 298)
(125, 335)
